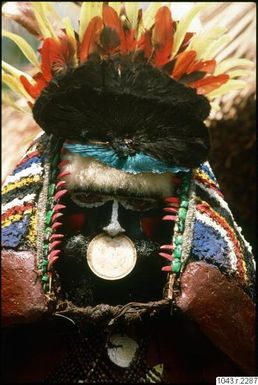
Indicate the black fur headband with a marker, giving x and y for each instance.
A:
(132, 106)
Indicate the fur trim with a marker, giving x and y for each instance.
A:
(90, 174)
(131, 106)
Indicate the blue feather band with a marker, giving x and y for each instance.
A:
(135, 164)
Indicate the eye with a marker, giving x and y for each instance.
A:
(88, 200)
(139, 204)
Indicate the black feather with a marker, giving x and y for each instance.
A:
(134, 106)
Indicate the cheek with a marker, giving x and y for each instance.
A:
(74, 222)
(149, 226)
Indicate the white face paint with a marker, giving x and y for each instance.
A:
(114, 227)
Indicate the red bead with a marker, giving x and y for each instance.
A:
(51, 262)
(63, 174)
(61, 183)
(59, 207)
(168, 247)
(170, 210)
(166, 268)
(56, 236)
(172, 199)
(55, 216)
(167, 256)
(54, 244)
(53, 254)
(56, 225)
(169, 218)
(59, 194)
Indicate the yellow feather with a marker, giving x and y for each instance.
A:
(184, 23)
(227, 64)
(213, 47)
(116, 5)
(149, 14)
(202, 41)
(132, 12)
(45, 26)
(231, 85)
(15, 72)
(89, 9)
(236, 73)
(26, 49)
(215, 106)
(15, 85)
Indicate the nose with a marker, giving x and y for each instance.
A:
(114, 227)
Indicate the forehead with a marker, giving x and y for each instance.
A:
(88, 174)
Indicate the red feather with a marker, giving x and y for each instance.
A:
(112, 21)
(130, 41)
(34, 90)
(145, 44)
(90, 38)
(163, 36)
(183, 61)
(204, 66)
(55, 55)
(209, 83)
(185, 42)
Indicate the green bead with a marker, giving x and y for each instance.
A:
(176, 266)
(180, 226)
(183, 189)
(51, 189)
(54, 174)
(177, 252)
(179, 240)
(182, 213)
(184, 203)
(183, 197)
(55, 159)
(44, 278)
(48, 231)
(49, 216)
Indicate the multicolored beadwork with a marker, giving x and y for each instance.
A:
(211, 233)
(19, 199)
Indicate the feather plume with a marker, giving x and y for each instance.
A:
(26, 49)
(91, 37)
(116, 5)
(45, 27)
(230, 63)
(231, 85)
(14, 71)
(14, 84)
(201, 41)
(114, 33)
(214, 46)
(72, 39)
(131, 9)
(184, 24)
(204, 86)
(163, 36)
(149, 15)
(89, 10)
(34, 90)
(183, 61)
(23, 14)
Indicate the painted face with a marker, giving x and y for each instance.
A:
(112, 242)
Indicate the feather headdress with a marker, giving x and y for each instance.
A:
(131, 80)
